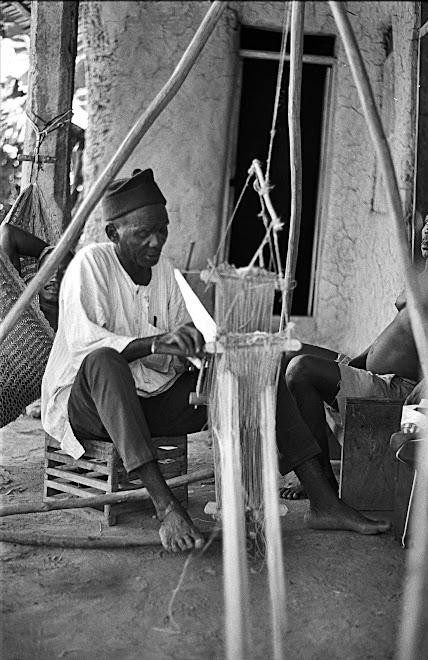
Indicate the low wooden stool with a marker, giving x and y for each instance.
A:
(368, 468)
(100, 470)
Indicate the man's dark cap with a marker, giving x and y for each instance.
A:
(126, 195)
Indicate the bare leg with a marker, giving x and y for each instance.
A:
(326, 510)
(177, 532)
(313, 378)
(311, 381)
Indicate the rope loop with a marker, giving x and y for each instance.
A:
(41, 134)
(262, 190)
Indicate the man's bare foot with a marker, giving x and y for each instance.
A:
(177, 532)
(293, 492)
(343, 517)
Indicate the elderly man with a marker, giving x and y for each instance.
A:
(388, 368)
(116, 371)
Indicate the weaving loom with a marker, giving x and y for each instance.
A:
(241, 384)
(238, 646)
(248, 356)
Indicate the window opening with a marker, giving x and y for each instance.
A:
(259, 79)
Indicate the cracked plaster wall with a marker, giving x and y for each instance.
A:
(132, 49)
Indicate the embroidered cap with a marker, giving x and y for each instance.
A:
(126, 195)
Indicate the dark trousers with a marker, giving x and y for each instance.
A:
(104, 405)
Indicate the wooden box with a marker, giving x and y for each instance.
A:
(368, 467)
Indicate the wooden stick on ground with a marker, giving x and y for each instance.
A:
(134, 136)
(294, 102)
(413, 641)
(109, 498)
(87, 542)
(90, 542)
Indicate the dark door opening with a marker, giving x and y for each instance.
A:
(259, 80)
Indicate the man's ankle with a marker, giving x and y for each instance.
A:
(156, 485)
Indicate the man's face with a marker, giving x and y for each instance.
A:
(424, 241)
(140, 241)
(49, 295)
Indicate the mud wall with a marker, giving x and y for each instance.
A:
(133, 47)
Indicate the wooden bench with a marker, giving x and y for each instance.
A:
(100, 470)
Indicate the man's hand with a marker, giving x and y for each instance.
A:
(187, 341)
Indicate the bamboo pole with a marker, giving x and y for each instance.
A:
(134, 136)
(294, 102)
(275, 558)
(235, 571)
(109, 498)
(413, 639)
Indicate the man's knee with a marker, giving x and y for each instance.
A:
(103, 358)
(299, 371)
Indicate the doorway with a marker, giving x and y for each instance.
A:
(260, 51)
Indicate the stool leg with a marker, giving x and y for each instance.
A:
(113, 464)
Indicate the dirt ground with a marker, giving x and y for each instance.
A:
(344, 591)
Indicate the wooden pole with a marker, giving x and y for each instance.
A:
(294, 102)
(89, 542)
(273, 533)
(53, 44)
(235, 571)
(133, 138)
(276, 222)
(85, 542)
(108, 498)
(413, 642)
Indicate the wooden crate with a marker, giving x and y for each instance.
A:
(100, 470)
(368, 468)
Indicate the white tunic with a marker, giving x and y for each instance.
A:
(101, 306)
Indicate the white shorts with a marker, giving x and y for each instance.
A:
(361, 383)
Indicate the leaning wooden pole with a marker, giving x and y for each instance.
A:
(124, 151)
(235, 571)
(413, 640)
(101, 500)
(294, 103)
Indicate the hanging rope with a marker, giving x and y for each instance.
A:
(229, 224)
(41, 134)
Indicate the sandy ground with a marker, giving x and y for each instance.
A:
(344, 591)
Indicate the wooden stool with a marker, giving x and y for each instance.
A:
(368, 470)
(100, 470)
